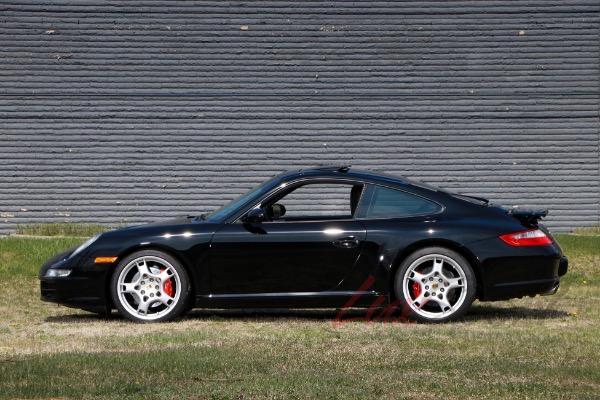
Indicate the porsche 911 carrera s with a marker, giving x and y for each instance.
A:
(312, 238)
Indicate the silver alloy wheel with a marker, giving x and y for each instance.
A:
(148, 287)
(434, 286)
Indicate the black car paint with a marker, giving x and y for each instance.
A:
(296, 264)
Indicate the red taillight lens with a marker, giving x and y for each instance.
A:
(532, 237)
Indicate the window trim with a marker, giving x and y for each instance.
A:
(294, 184)
(367, 198)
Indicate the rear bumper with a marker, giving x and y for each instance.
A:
(511, 272)
(505, 291)
(513, 277)
(563, 266)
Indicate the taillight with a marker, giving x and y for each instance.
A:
(532, 237)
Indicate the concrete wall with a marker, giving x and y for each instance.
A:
(123, 112)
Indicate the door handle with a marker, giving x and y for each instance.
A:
(347, 242)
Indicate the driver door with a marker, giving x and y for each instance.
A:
(311, 248)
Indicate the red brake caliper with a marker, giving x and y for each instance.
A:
(168, 286)
(416, 289)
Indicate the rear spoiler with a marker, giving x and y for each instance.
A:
(528, 216)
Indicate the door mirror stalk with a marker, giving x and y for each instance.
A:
(254, 216)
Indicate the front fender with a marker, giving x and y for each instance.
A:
(189, 247)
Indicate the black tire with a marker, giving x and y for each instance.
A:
(176, 310)
(446, 254)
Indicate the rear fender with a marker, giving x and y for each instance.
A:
(460, 249)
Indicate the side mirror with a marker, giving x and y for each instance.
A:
(255, 215)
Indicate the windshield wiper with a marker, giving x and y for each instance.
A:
(201, 217)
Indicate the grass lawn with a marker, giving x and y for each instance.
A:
(546, 347)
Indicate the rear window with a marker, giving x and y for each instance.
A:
(386, 202)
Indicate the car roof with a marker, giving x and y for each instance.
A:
(345, 171)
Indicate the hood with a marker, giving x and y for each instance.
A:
(158, 225)
(184, 219)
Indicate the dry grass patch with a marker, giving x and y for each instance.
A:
(64, 229)
(546, 347)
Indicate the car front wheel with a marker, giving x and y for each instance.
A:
(150, 286)
(435, 284)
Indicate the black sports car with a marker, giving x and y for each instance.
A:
(318, 237)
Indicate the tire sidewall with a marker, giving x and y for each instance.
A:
(464, 264)
(184, 298)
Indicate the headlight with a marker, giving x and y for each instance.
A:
(84, 245)
(57, 273)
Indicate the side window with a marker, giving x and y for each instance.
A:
(320, 200)
(387, 202)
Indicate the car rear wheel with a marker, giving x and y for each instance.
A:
(435, 284)
(150, 286)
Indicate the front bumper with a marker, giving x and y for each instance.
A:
(72, 292)
(84, 288)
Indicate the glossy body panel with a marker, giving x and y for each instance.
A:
(81, 289)
(318, 263)
(279, 257)
(522, 272)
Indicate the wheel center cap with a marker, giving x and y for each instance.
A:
(434, 286)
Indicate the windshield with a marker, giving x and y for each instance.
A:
(247, 197)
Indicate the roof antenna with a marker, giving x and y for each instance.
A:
(344, 168)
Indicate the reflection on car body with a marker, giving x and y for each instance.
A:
(310, 238)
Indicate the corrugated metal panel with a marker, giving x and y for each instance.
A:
(128, 112)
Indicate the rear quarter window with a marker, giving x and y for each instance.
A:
(386, 203)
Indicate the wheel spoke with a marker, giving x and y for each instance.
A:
(444, 304)
(416, 276)
(165, 275)
(455, 283)
(143, 307)
(129, 288)
(421, 300)
(165, 299)
(438, 265)
(143, 268)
